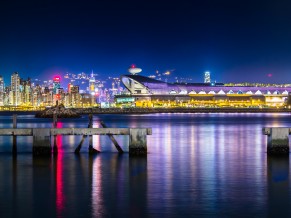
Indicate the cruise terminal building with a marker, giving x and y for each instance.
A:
(148, 92)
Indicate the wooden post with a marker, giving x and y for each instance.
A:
(14, 147)
(112, 139)
(138, 142)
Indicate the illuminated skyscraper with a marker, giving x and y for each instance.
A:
(92, 84)
(15, 92)
(75, 96)
(92, 88)
(56, 89)
(207, 77)
(56, 84)
(1, 91)
(25, 91)
(37, 96)
(70, 87)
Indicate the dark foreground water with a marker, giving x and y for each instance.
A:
(198, 165)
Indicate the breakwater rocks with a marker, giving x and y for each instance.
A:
(61, 112)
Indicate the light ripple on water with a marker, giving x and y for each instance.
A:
(197, 165)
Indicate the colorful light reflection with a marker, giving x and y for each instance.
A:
(60, 197)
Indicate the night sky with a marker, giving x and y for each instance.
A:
(236, 41)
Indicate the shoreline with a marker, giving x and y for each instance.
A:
(183, 110)
(83, 111)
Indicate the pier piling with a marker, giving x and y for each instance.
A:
(41, 141)
(137, 141)
(278, 140)
(55, 120)
(90, 125)
(14, 147)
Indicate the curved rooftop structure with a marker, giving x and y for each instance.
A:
(137, 84)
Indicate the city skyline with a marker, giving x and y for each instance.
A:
(138, 91)
(33, 93)
(236, 42)
(166, 76)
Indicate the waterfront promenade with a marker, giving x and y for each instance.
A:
(162, 110)
(180, 110)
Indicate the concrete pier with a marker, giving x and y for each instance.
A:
(90, 125)
(42, 136)
(138, 141)
(14, 147)
(278, 140)
(41, 141)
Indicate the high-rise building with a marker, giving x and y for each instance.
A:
(1, 91)
(7, 91)
(46, 96)
(92, 88)
(70, 87)
(75, 89)
(37, 96)
(56, 89)
(56, 84)
(92, 84)
(26, 91)
(207, 77)
(15, 98)
(75, 96)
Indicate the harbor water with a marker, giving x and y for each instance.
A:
(198, 165)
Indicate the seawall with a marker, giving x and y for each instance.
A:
(161, 110)
(180, 110)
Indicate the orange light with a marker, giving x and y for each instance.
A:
(58, 96)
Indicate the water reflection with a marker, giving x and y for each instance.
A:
(14, 182)
(197, 165)
(43, 182)
(204, 167)
(138, 186)
(60, 195)
(58, 166)
(278, 186)
(98, 209)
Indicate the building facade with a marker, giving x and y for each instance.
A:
(147, 92)
(15, 97)
(207, 77)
